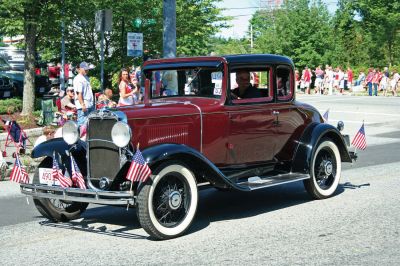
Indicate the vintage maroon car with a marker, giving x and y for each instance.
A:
(195, 128)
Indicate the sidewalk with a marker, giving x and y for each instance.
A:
(10, 189)
(10, 160)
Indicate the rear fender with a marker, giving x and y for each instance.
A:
(203, 168)
(310, 139)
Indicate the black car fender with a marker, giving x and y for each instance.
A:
(308, 142)
(59, 146)
(203, 168)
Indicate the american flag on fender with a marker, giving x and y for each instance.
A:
(77, 177)
(18, 173)
(139, 170)
(359, 140)
(326, 115)
(58, 175)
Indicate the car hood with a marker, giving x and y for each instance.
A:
(176, 107)
(14, 75)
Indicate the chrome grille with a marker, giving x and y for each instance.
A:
(102, 153)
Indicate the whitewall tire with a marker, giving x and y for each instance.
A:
(325, 171)
(167, 203)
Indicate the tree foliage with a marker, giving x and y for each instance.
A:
(197, 22)
(361, 33)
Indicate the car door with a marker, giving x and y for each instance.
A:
(251, 126)
(289, 121)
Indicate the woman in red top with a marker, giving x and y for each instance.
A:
(125, 89)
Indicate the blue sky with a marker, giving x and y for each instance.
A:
(242, 12)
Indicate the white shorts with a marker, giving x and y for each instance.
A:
(341, 84)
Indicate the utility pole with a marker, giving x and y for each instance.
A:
(251, 38)
(62, 74)
(169, 31)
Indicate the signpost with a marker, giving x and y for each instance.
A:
(135, 44)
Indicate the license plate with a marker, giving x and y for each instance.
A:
(46, 177)
(41, 89)
(6, 94)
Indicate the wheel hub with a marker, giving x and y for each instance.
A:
(175, 200)
(328, 167)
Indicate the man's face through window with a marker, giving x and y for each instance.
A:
(243, 79)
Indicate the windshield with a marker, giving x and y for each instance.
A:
(4, 66)
(193, 82)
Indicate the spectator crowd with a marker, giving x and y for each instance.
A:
(336, 80)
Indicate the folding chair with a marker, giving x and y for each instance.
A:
(47, 115)
(15, 136)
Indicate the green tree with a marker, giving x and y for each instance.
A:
(40, 22)
(24, 17)
(381, 18)
(300, 29)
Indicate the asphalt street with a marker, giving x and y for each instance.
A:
(274, 226)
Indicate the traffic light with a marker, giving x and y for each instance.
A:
(137, 23)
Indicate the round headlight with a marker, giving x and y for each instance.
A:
(121, 134)
(70, 132)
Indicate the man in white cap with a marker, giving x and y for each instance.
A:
(83, 93)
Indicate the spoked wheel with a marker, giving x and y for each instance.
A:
(167, 203)
(54, 209)
(325, 171)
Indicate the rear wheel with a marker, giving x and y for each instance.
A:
(325, 170)
(167, 203)
(54, 209)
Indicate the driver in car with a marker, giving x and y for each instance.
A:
(245, 89)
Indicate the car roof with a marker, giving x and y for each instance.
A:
(211, 60)
(257, 58)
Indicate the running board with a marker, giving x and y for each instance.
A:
(257, 182)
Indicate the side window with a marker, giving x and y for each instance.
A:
(284, 82)
(251, 85)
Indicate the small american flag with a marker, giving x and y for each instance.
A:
(139, 170)
(359, 140)
(18, 173)
(77, 177)
(326, 115)
(58, 175)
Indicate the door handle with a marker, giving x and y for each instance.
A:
(275, 112)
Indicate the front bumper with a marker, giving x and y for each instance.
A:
(79, 195)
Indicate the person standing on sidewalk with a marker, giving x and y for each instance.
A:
(84, 99)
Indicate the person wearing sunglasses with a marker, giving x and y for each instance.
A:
(68, 107)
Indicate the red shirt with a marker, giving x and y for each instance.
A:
(350, 75)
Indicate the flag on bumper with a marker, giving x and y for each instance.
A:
(58, 175)
(18, 173)
(77, 177)
(359, 140)
(139, 170)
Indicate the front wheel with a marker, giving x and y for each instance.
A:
(167, 203)
(325, 171)
(54, 209)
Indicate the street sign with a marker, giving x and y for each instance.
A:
(135, 44)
